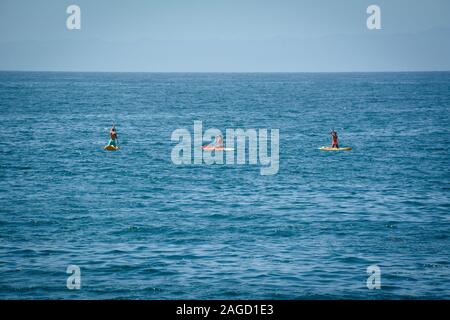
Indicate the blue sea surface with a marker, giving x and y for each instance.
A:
(141, 227)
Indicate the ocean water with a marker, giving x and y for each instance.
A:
(140, 227)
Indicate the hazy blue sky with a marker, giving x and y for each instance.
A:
(225, 35)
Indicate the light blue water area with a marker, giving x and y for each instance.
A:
(140, 227)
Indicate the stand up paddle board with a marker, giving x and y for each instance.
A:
(111, 148)
(209, 148)
(335, 149)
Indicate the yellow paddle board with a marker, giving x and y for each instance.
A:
(111, 148)
(335, 149)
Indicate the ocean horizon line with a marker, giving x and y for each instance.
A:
(228, 72)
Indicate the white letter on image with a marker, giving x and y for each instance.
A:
(198, 142)
(271, 163)
(74, 20)
(74, 280)
(374, 21)
(374, 279)
(181, 153)
(241, 142)
(216, 156)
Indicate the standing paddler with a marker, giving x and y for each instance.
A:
(113, 139)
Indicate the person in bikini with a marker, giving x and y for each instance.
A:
(334, 139)
(217, 144)
(112, 136)
(219, 141)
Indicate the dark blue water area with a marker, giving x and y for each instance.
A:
(141, 227)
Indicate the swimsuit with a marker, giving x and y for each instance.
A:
(112, 142)
(334, 141)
